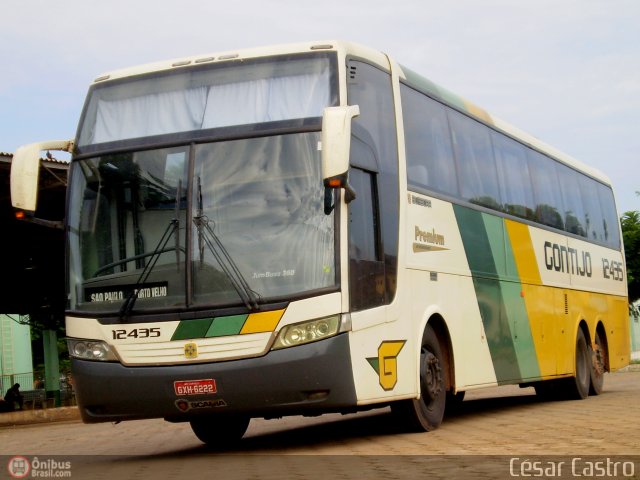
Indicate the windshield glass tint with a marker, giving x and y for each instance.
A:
(257, 225)
(221, 95)
(261, 199)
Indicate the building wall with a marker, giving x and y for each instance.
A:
(16, 363)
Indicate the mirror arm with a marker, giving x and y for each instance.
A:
(333, 183)
(329, 204)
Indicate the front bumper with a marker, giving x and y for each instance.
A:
(312, 378)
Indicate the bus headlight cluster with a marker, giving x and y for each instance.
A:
(307, 332)
(91, 350)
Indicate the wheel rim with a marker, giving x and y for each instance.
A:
(598, 359)
(431, 377)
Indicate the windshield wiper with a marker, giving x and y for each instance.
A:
(207, 235)
(128, 303)
(172, 229)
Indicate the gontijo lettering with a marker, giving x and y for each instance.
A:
(567, 260)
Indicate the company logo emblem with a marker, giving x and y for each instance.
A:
(428, 241)
(191, 350)
(386, 363)
(19, 467)
(185, 405)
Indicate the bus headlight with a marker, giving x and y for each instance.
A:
(307, 332)
(91, 350)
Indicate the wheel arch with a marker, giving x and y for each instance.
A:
(582, 325)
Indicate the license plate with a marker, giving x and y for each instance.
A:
(195, 387)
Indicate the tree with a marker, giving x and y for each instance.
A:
(631, 237)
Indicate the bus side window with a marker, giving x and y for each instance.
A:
(366, 268)
(476, 164)
(546, 191)
(428, 143)
(610, 216)
(513, 176)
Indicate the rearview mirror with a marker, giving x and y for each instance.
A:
(336, 144)
(25, 168)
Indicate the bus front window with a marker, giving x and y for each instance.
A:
(127, 229)
(262, 200)
(258, 228)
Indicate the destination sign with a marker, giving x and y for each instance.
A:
(117, 293)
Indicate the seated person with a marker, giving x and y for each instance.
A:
(13, 397)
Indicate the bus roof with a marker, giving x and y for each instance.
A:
(348, 48)
(244, 54)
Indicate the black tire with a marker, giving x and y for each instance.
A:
(426, 413)
(454, 402)
(577, 387)
(598, 366)
(220, 431)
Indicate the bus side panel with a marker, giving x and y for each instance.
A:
(382, 357)
(439, 282)
(593, 308)
(589, 288)
(542, 303)
(511, 338)
(385, 346)
(618, 330)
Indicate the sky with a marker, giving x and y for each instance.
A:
(565, 71)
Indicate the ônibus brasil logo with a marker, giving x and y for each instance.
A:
(19, 467)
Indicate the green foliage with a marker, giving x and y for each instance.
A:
(631, 237)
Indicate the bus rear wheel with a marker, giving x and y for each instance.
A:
(220, 431)
(426, 412)
(598, 365)
(577, 387)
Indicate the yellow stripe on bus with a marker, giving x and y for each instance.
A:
(523, 252)
(262, 322)
(539, 300)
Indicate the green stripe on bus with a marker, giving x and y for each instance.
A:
(224, 326)
(188, 329)
(521, 336)
(478, 241)
(518, 316)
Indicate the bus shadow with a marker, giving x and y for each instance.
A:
(337, 430)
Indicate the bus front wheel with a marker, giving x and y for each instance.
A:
(220, 431)
(426, 413)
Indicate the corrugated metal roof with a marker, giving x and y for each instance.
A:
(9, 156)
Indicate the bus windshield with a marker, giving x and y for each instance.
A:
(255, 217)
(229, 212)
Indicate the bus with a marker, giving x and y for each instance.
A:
(313, 228)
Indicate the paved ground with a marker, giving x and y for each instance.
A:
(499, 424)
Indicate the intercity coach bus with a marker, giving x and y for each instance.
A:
(314, 228)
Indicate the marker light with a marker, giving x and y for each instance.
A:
(307, 332)
(91, 350)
